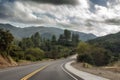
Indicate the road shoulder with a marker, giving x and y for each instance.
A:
(81, 74)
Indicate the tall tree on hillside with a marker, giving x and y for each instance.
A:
(36, 39)
(65, 39)
(54, 40)
(6, 39)
(46, 46)
(67, 35)
(26, 43)
(61, 40)
(75, 39)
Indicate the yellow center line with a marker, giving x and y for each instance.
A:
(33, 73)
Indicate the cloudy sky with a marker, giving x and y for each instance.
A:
(100, 17)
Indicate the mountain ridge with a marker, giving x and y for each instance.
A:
(46, 32)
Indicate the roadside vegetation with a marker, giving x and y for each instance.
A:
(93, 55)
(100, 56)
(97, 52)
(35, 48)
(101, 51)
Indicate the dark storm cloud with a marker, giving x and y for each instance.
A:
(2, 8)
(56, 2)
(5, 10)
(3, 1)
(100, 2)
(113, 21)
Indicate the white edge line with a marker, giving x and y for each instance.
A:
(68, 73)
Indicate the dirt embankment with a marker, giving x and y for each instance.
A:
(6, 61)
(112, 73)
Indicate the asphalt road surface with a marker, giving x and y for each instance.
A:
(53, 71)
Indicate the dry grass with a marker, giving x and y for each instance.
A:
(112, 73)
(24, 62)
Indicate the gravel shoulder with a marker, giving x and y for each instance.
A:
(112, 73)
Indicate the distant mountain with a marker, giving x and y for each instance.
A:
(46, 32)
(111, 38)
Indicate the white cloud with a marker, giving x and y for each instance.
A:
(85, 17)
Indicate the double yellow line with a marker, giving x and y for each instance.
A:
(33, 73)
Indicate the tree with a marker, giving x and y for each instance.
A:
(53, 41)
(85, 58)
(101, 56)
(46, 45)
(16, 53)
(65, 39)
(61, 40)
(26, 43)
(93, 55)
(83, 48)
(54, 52)
(6, 39)
(75, 39)
(67, 34)
(36, 39)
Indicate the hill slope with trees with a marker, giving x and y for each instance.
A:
(100, 51)
(110, 42)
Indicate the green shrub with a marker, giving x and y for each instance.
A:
(37, 53)
(30, 57)
(86, 58)
(93, 55)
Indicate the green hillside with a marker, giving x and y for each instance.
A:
(110, 42)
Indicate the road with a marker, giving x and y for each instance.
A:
(53, 71)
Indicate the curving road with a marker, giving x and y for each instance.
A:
(53, 71)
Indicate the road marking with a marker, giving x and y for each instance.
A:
(33, 73)
(68, 73)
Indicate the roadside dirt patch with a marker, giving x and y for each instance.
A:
(112, 74)
(6, 62)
